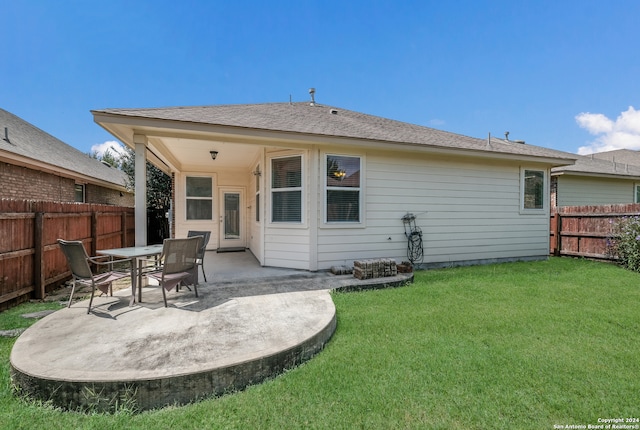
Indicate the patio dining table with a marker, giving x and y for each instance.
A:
(134, 253)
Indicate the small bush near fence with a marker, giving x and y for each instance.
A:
(624, 243)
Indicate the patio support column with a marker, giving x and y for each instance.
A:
(140, 142)
(316, 196)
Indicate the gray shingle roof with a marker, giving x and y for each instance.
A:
(624, 156)
(29, 141)
(322, 120)
(604, 164)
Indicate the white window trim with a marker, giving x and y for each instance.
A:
(325, 188)
(545, 192)
(635, 192)
(186, 197)
(303, 197)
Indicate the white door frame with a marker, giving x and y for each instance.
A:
(234, 241)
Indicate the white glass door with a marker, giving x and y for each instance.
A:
(231, 218)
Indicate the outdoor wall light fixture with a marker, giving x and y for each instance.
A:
(214, 154)
(257, 172)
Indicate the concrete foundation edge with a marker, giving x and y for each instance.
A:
(142, 395)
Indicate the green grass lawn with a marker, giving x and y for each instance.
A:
(517, 346)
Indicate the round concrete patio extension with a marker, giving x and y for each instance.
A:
(147, 356)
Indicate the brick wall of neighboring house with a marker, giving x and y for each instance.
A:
(108, 196)
(19, 182)
(23, 183)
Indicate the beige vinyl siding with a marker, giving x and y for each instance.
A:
(287, 244)
(286, 247)
(582, 190)
(468, 211)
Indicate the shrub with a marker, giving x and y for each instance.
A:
(625, 243)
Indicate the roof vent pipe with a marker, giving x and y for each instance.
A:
(506, 135)
(6, 134)
(312, 93)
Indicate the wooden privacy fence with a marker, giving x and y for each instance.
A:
(31, 263)
(586, 231)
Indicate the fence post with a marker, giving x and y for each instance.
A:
(552, 233)
(38, 256)
(123, 226)
(94, 232)
(558, 252)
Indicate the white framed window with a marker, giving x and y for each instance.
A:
(343, 189)
(533, 190)
(286, 189)
(637, 193)
(199, 194)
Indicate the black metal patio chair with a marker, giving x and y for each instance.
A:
(80, 265)
(177, 265)
(206, 235)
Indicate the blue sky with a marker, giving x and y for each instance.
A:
(562, 74)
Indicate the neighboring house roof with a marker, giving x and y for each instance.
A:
(588, 166)
(621, 156)
(26, 144)
(313, 119)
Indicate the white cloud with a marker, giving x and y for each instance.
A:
(115, 147)
(594, 123)
(623, 133)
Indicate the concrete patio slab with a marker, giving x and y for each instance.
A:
(239, 331)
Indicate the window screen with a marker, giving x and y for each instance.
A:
(199, 198)
(533, 189)
(343, 189)
(286, 189)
